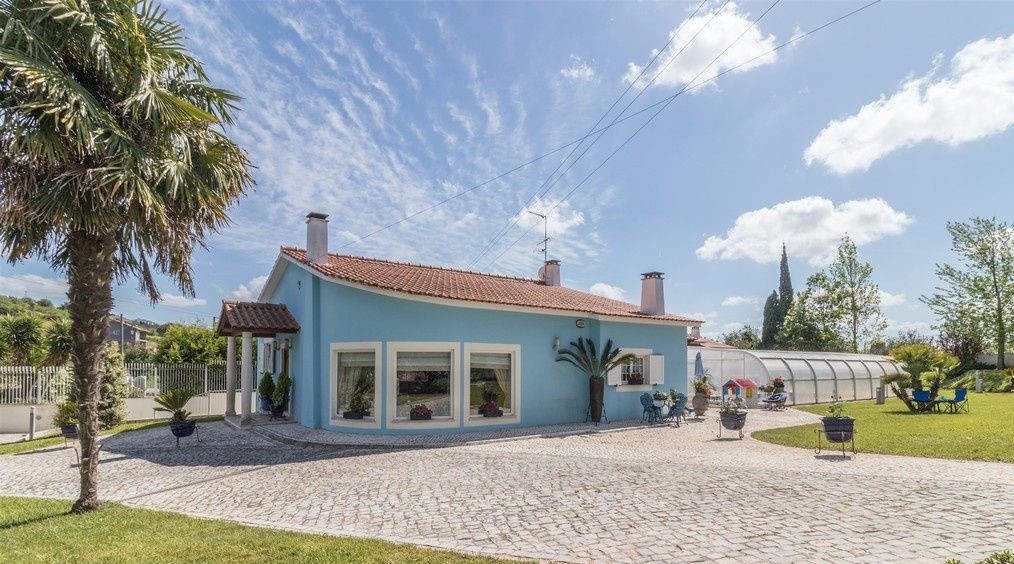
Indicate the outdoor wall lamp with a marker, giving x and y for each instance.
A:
(556, 344)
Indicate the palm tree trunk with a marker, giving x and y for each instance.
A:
(90, 277)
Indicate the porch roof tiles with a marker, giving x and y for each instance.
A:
(260, 319)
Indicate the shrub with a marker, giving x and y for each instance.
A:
(280, 397)
(66, 414)
(266, 387)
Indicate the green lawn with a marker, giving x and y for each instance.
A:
(41, 530)
(24, 446)
(984, 434)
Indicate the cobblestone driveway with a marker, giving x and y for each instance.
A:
(649, 494)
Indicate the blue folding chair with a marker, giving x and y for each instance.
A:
(922, 400)
(958, 403)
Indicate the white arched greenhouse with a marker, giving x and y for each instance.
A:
(810, 377)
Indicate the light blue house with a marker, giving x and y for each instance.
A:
(389, 347)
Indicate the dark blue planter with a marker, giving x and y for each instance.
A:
(265, 405)
(838, 429)
(733, 422)
(184, 429)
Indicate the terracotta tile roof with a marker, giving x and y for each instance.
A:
(438, 282)
(707, 343)
(257, 318)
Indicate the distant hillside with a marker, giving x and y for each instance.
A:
(10, 305)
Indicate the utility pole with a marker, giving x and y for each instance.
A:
(545, 236)
(122, 330)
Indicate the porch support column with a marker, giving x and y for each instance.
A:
(230, 375)
(246, 376)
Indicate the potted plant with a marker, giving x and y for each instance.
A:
(175, 401)
(732, 416)
(583, 355)
(420, 412)
(838, 427)
(66, 419)
(359, 406)
(702, 391)
(635, 378)
(490, 395)
(280, 396)
(265, 389)
(778, 384)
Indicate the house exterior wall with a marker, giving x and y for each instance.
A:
(550, 392)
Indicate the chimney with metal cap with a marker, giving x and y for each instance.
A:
(316, 238)
(652, 294)
(550, 273)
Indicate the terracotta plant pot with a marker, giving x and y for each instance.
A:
(596, 392)
(700, 403)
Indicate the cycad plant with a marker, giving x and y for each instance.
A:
(583, 354)
(113, 163)
(174, 401)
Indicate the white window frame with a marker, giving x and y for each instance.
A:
(479, 420)
(365, 346)
(623, 387)
(393, 348)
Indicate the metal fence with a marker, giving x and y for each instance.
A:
(29, 385)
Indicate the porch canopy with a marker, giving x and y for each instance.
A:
(248, 320)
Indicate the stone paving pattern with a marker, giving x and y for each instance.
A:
(646, 494)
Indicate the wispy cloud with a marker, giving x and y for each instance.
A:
(578, 69)
(733, 301)
(34, 286)
(251, 290)
(181, 301)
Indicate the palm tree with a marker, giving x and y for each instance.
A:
(583, 355)
(22, 334)
(113, 163)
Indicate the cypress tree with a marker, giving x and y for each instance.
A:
(771, 324)
(784, 289)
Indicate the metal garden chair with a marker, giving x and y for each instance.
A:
(651, 413)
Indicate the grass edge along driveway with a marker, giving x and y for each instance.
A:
(984, 434)
(42, 530)
(55, 440)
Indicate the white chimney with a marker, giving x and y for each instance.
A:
(695, 332)
(652, 294)
(316, 238)
(550, 273)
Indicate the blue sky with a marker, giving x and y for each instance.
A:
(885, 125)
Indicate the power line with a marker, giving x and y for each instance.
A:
(665, 102)
(510, 224)
(603, 128)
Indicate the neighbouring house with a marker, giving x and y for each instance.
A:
(123, 331)
(374, 345)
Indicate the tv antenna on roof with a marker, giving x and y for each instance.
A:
(545, 236)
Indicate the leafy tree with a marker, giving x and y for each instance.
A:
(113, 163)
(847, 292)
(909, 337)
(809, 326)
(743, 338)
(135, 353)
(962, 340)
(189, 343)
(979, 291)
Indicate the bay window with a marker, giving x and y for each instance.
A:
(492, 383)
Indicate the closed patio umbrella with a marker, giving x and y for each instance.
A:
(698, 366)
